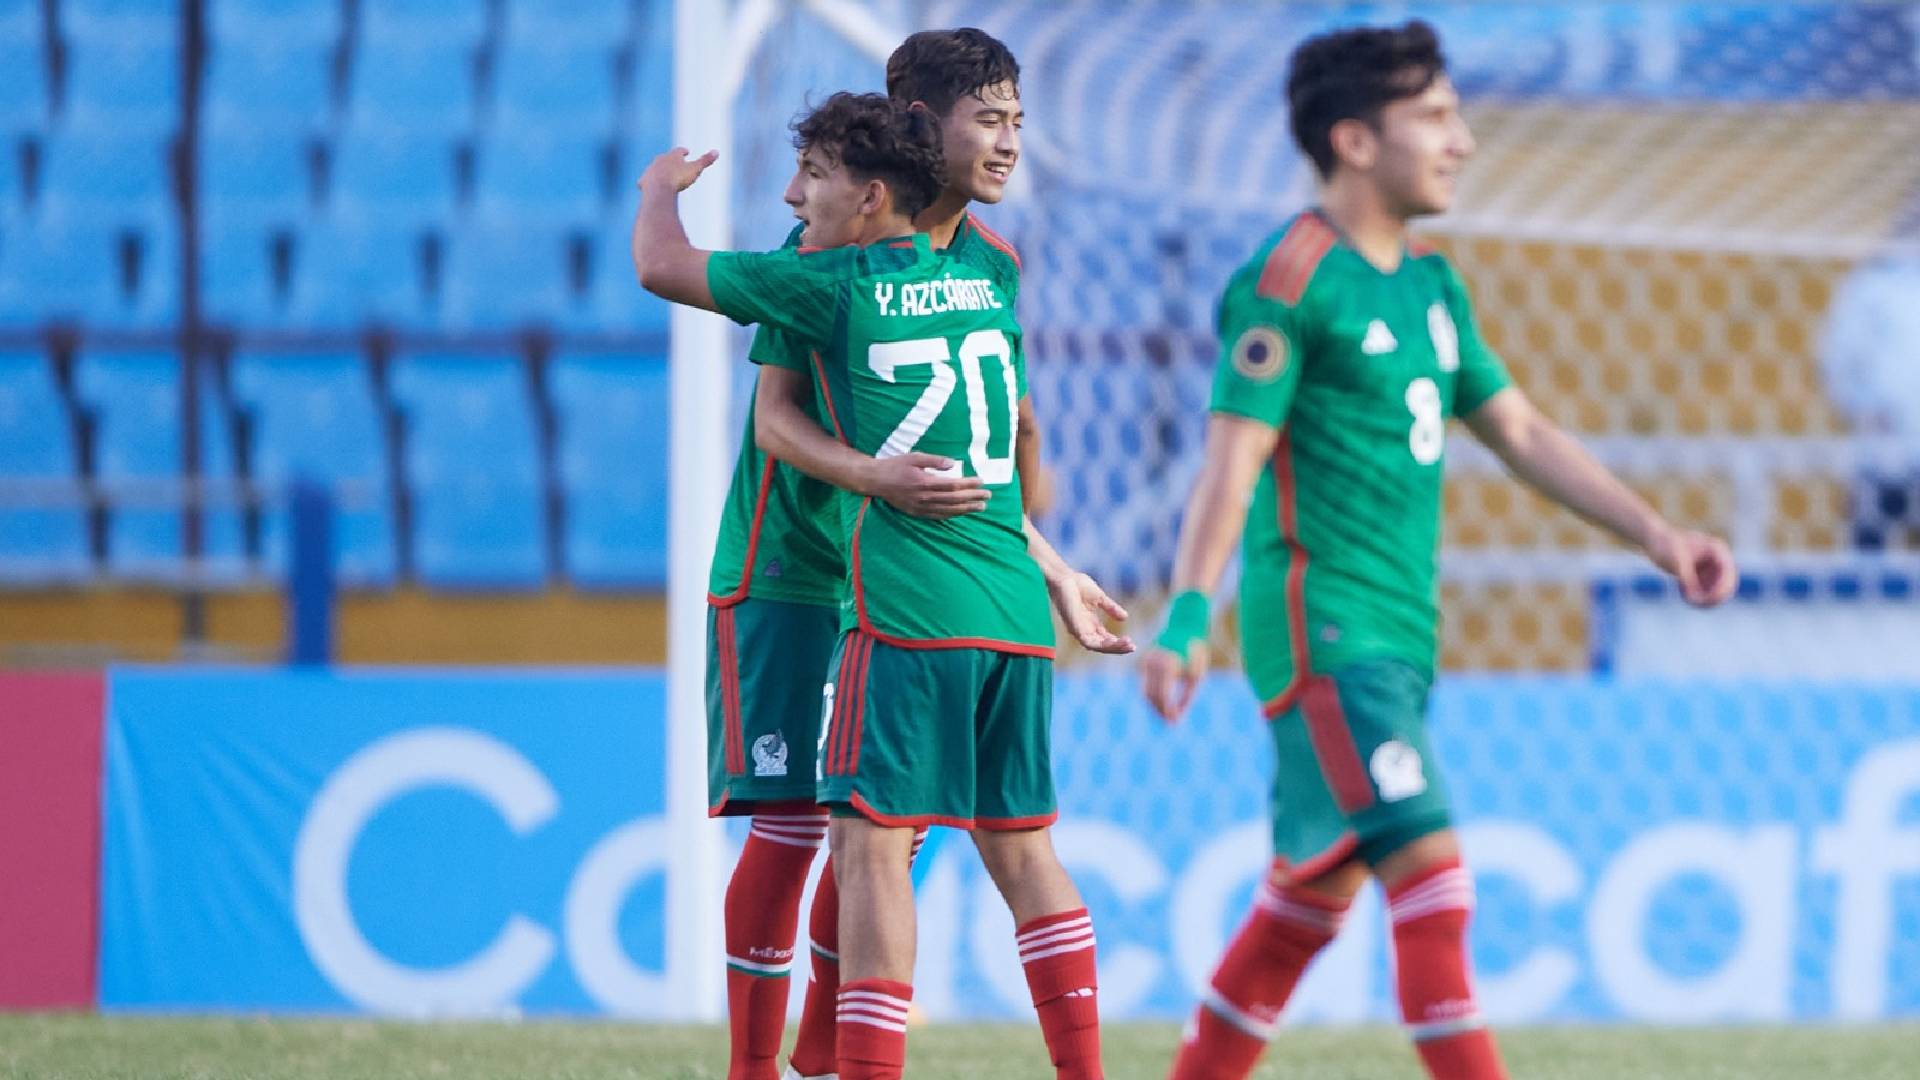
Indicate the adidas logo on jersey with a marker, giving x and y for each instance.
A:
(1379, 339)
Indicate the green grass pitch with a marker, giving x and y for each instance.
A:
(111, 1048)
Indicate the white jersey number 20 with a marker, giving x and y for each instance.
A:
(886, 358)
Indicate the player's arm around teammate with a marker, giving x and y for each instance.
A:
(918, 484)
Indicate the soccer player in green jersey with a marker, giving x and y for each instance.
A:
(1345, 349)
(938, 708)
(766, 651)
(779, 569)
(970, 83)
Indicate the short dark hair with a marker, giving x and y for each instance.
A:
(939, 67)
(876, 138)
(1352, 75)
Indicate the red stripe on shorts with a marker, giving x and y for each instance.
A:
(836, 725)
(861, 646)
(1333, 746)
(730, 691)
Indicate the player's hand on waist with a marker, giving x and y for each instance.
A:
(924, 486)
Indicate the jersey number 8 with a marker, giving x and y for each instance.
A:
(886, 358)
(1429, 435)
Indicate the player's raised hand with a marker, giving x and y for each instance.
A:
(914, 484)
(1084, 606)
(674, 171)
(1701, 563)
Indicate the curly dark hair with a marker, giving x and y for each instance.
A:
(1352, 75)
(939, 67)
(876, 138)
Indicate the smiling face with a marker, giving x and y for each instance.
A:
(827, 199)
(980, 138)
(1424, 143)
(1413, 153)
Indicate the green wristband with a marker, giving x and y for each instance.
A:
(1187, 622)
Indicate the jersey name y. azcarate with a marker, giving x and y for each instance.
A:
(1359, 370)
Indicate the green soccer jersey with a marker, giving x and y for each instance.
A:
(780, 529)
(785, 522)
(912, 350)
(1359, 370)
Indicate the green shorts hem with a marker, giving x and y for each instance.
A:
(854, 805)
(735, 801)
(1375, 848)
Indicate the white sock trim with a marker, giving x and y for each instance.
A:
(1248, 1023)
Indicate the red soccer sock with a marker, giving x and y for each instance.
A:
(813, 1053)
(872, 1034)
(1057, 952)
(1262, 965)
(1429, 912)
(762, 918)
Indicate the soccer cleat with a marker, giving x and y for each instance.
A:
(790, 1074)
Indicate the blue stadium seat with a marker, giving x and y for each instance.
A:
(604, 24)
(473, 466)
(457, 405)
(283, 90)
(613, 467)
(129, 85)
(539, 87)
(135, 401)
(106, 177)
(540, 178)
(237, 283)
(273, 25)
(313, 415)
(651, 125)
(346, 275)
(255, 179)
(37, 544)
(615, 302)
(71, 267)
(89, 21)
(426, 86)
(503, 277)
(394, 179)
(23, 70)
(410, 22)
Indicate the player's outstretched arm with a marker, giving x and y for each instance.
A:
(1238, 447)
(667, 263)
(1079, 599)
(783, 428)
(1553, 463)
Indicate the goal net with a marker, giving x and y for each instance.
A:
(1692, 230)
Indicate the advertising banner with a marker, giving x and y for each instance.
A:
(487, 845)
(406, 844)
(49, 839)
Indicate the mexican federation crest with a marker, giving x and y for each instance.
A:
(770, 755)
(1396, 771)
